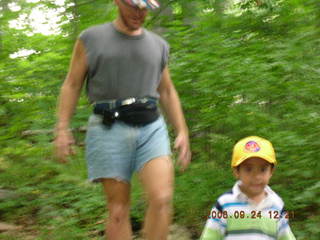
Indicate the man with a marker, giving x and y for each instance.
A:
(122, 60)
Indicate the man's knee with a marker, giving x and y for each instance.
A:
(118, 213)
(161, 200)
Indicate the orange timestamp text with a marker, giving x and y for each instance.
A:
(253, 214)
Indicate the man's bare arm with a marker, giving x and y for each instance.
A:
(69, 95)
(170, 103)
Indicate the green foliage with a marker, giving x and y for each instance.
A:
(253, 75)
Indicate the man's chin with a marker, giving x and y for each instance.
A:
(134, 26)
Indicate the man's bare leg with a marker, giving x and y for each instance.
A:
(157, 178)
(118, 225)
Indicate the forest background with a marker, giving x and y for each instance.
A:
(242, 68)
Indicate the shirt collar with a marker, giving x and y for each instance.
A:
(236, 189)
(243, 197)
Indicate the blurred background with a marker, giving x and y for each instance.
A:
(241, 67)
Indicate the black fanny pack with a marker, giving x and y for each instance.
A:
(138, 113)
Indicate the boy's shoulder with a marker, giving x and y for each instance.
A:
(225, 199)
(230, 195)
(275, 197)
(226, 196)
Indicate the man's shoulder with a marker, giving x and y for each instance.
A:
(96, 28)
(156, 37)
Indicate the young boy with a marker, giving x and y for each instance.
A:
(251, 210)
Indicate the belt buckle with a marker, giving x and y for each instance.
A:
(128, 101)
(144, 100)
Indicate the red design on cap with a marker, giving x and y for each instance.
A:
(252, 146)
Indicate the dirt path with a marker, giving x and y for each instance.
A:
(13, 232)
(176, 233)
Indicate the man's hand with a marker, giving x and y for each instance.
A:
(69, 95)
(63, 145)
(182, 144)
(170, 103)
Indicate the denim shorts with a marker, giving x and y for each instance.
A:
(120, 150)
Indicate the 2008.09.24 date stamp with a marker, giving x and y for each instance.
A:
(252, 214)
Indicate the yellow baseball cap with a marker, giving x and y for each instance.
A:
(253, 146)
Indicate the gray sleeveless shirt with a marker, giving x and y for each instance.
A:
(122, 66)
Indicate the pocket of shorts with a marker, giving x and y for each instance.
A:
(94, 120)
(93, 128)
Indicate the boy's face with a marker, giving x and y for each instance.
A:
(254, 174)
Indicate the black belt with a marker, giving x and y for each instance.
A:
(101, 107)
(134, 111)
